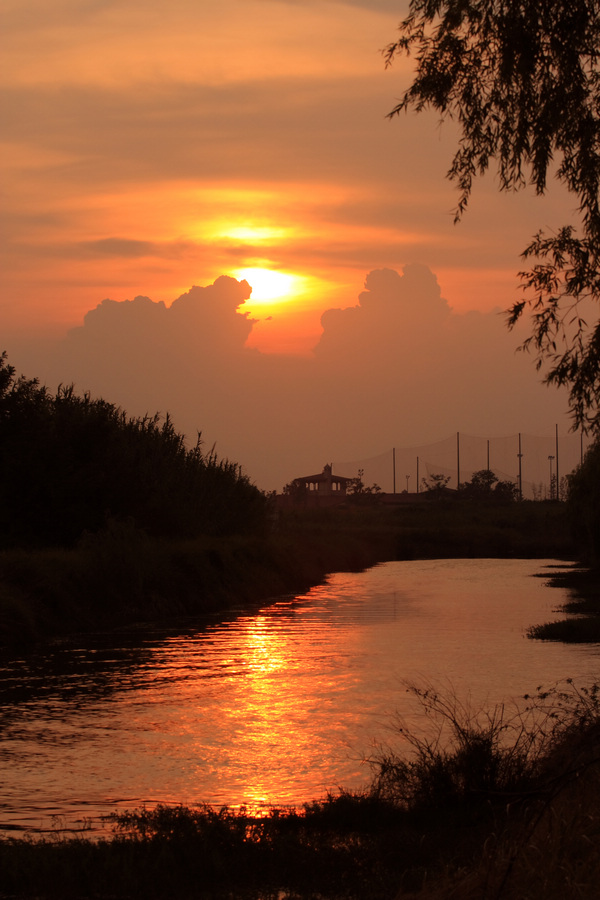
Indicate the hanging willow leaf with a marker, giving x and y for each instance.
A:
(522, 80)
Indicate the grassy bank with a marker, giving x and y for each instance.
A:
(122, 575)
(458, 528)
(583, 609)
(488, 805)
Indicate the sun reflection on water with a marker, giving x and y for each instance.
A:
(275, 707)
(265, 649)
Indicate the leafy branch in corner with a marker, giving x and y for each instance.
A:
(522, 80)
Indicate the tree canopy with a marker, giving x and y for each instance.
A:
(486, 487)
(522, 79)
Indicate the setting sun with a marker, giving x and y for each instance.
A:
(267, 284)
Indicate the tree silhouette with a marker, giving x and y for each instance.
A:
(436, 484)
(522, 79)
(69, 464)
(485, 487)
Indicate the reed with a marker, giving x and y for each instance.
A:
(72, 463)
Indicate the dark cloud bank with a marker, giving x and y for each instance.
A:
(399, 368)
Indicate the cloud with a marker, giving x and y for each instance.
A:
(207, 317)
(139, 175)
(384, 6)
(398, 368)
(391, 307)
(151, 43)
(122, 248)
(118, 247)
(194, 129)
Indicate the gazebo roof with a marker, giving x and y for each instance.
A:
(325, 475)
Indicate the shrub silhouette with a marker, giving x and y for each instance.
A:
(69, 464)
(474, 758)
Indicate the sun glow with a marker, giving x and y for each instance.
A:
(254, 233)
(267, 284)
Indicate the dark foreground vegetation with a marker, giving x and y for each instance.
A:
(106, 520)
(482, 805)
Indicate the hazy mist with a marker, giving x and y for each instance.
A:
(397, 368)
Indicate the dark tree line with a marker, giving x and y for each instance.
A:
(69, 464)
(583, 504)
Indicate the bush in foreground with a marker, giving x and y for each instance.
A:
(485, 805)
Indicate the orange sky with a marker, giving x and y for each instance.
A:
(148, 147)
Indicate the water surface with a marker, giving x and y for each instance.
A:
(275, 706)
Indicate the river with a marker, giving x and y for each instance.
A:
(272, 706)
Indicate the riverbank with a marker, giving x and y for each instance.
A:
(583, 609)
(122, 576)
(508, 807)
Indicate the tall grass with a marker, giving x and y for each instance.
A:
(70, 463)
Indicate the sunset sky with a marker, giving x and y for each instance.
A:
(151, 147)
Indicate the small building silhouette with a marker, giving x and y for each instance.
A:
(325, 483)
(322, 489)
